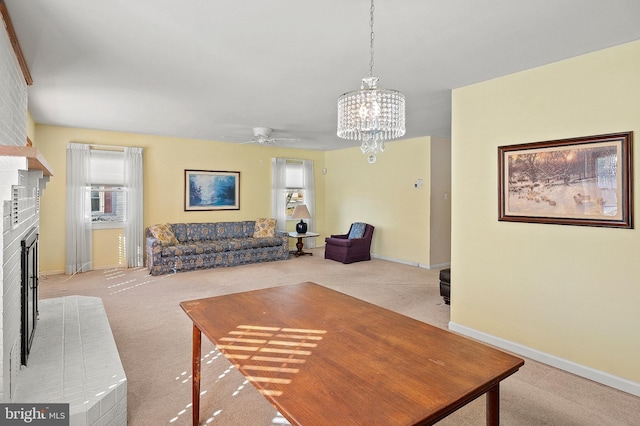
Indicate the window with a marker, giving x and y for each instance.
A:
(294, 186)
(108, 193)
(104, 190)
(108, 203)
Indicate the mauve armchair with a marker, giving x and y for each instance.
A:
(343, 249)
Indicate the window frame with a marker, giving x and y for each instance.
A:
(107, 171)
(109, 224)
(290, 191)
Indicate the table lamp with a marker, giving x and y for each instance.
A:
(301, 212)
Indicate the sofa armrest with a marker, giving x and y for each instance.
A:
(284, 236)
(154, 252)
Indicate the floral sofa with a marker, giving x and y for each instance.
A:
(174, 247)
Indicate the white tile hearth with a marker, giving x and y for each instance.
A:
(74, 360)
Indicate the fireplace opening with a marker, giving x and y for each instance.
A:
(29, 292)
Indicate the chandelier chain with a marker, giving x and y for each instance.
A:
(371, 115)
(372, 36)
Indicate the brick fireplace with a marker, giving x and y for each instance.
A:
(20, 191)
(31, 358)
(24, 174)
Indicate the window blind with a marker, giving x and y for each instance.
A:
(106, 167)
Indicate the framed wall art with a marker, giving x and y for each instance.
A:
(579, 181)
(211, 190)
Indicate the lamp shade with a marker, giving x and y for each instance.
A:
(301, 212)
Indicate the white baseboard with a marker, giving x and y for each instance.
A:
(440, 265)
(580, 370)
(52, 272)
(100, 268)
(406, 262)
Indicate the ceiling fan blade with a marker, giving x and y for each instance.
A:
(262, 136)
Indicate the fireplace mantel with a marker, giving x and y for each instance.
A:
(35, 158)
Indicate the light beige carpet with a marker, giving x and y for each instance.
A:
(154, 340)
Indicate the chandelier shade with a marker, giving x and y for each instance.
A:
(371, 115)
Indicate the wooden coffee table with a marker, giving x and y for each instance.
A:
(322, 357)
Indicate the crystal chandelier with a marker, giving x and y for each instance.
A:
(371, 115)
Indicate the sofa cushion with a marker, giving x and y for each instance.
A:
(180, 231)
(249, 243)
(268, 242)
(164, 234)
(195, 248)
(226, 230)
(264, 228)
(200, 231)
(357, 230)
(218, 246)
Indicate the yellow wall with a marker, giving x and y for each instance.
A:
(165, 160)
(108, 248)
(383, 194)
(440, 223)
(31, 127)
(568, 291)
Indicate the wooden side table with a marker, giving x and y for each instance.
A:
(300, 243)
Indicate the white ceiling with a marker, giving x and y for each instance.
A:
(214, 69)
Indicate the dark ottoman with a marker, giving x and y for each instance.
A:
(445, 285)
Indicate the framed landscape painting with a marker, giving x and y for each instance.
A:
(211, 190)
(579, 181)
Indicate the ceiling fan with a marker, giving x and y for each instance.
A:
(262, 136)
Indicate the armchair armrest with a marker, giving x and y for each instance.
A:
(338, 241)
(346, 242)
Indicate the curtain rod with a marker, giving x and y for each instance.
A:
(111, 147)
(105, 147)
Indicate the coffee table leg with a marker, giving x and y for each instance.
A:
(493, 405)
(195, 375)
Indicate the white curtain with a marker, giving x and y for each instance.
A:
(78, 239)
(133, 228)
(309, 200)
(279, 192)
